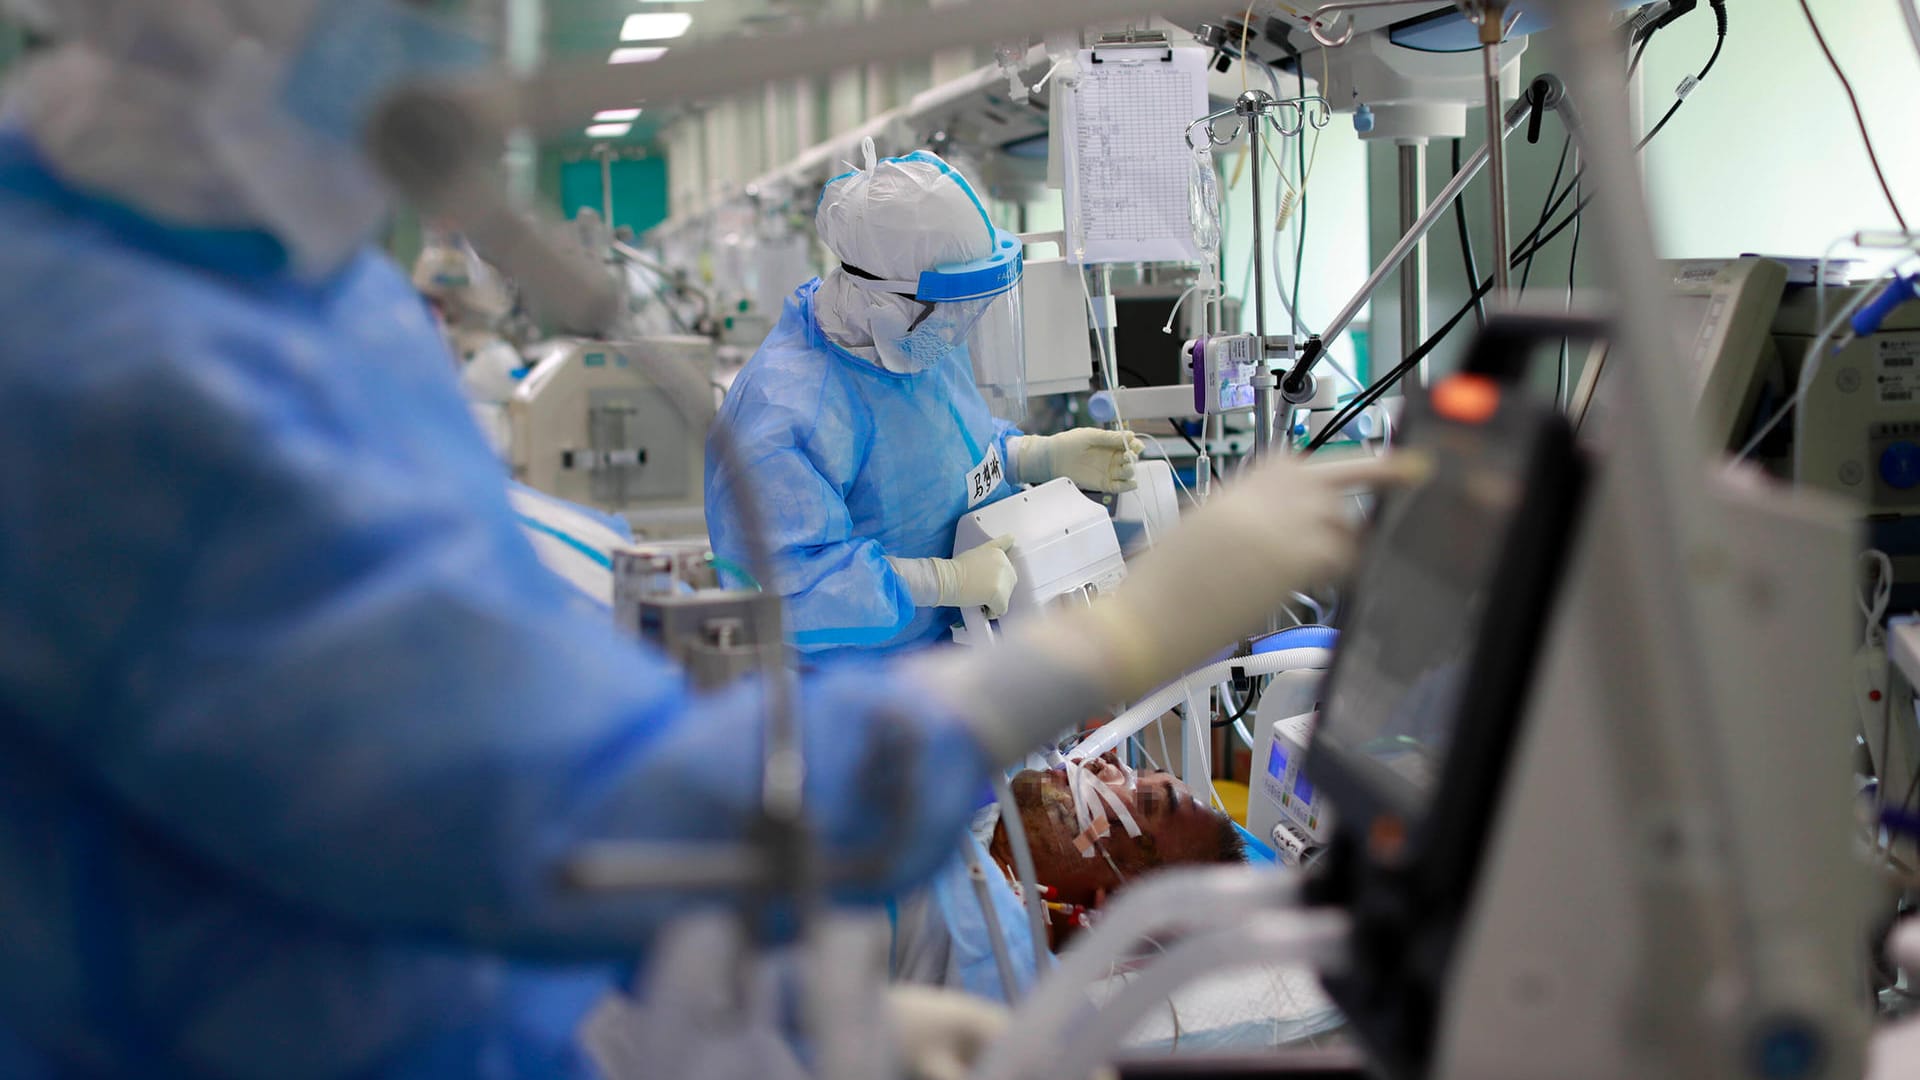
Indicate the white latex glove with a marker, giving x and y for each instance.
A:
(1281, 528)
(942, 1034)
(983, 577)
(1095, 459)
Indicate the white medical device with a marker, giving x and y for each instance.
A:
(1857, 434)
(1148, 512)
(1064, 551)
(592, 423)
(1283, 808)
(1724, 314)
(1053, 312)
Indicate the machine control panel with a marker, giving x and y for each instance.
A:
(1857, 432)
(1285, 785)
(1894, 448)
(1900, 465)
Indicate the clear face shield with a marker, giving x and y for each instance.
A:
(973, 306)
(997, 347)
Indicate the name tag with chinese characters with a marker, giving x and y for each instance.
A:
(985, 477)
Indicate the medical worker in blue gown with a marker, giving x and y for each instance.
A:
(861, 418)
(295, 729)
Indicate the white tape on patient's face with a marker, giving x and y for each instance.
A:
(1102, 791)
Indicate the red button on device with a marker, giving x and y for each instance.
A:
(1470, 399)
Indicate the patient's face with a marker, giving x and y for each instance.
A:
(1175, 828)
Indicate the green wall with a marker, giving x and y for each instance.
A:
(638, 184)
(1764, 157)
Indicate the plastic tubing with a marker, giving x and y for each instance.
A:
(1023, 866)
(1002, 956)
(1169, 901)
(1122, 727)
(1316, 937)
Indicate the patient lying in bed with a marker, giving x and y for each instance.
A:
(1094, 830)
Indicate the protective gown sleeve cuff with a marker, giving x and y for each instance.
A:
(1026, 459)
(926, 585)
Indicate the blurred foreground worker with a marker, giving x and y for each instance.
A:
(295, 729)
(861, 419)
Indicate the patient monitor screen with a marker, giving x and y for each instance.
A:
(1408, 638)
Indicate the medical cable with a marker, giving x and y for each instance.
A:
(1319, 613)
(1687, 86)
(1108, 363)
(1719, 9)
(1651, 20)
(1300, 328)
(1466, 243)
(1853, 101)
(1161, 730)
(1529, 245)
(1873, 637)
(1562, 375)
(1638, 52)
(1911, 14)
(1306, 172)
(1181, 431)
(1029, 877)
(1546, 207)
(1154, 441)
(1873, 604)
(1358, 405)
(1352, 410)
(1141, 749)
(1002, 957)
(1252, 702)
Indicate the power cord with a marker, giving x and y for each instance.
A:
(1466, 242)
(1691, 83)
(1853, 101)
(1546, 207)
(1563, 371)
(1352, 409)
(1687, 88)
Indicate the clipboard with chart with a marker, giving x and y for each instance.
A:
(1126, 157)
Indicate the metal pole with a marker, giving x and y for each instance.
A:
(1438, 207)
(606, 185)
(1252, 106)
(1490, 34)
(1413, 272)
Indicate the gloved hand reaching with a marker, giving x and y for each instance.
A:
(1095, 459)
(982, 577)
(1280, 528)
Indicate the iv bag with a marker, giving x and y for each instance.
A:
(1203, 204)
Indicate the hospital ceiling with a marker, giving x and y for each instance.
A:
(577, 29)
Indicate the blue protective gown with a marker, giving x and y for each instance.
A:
(294, 727)
(852, 463)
